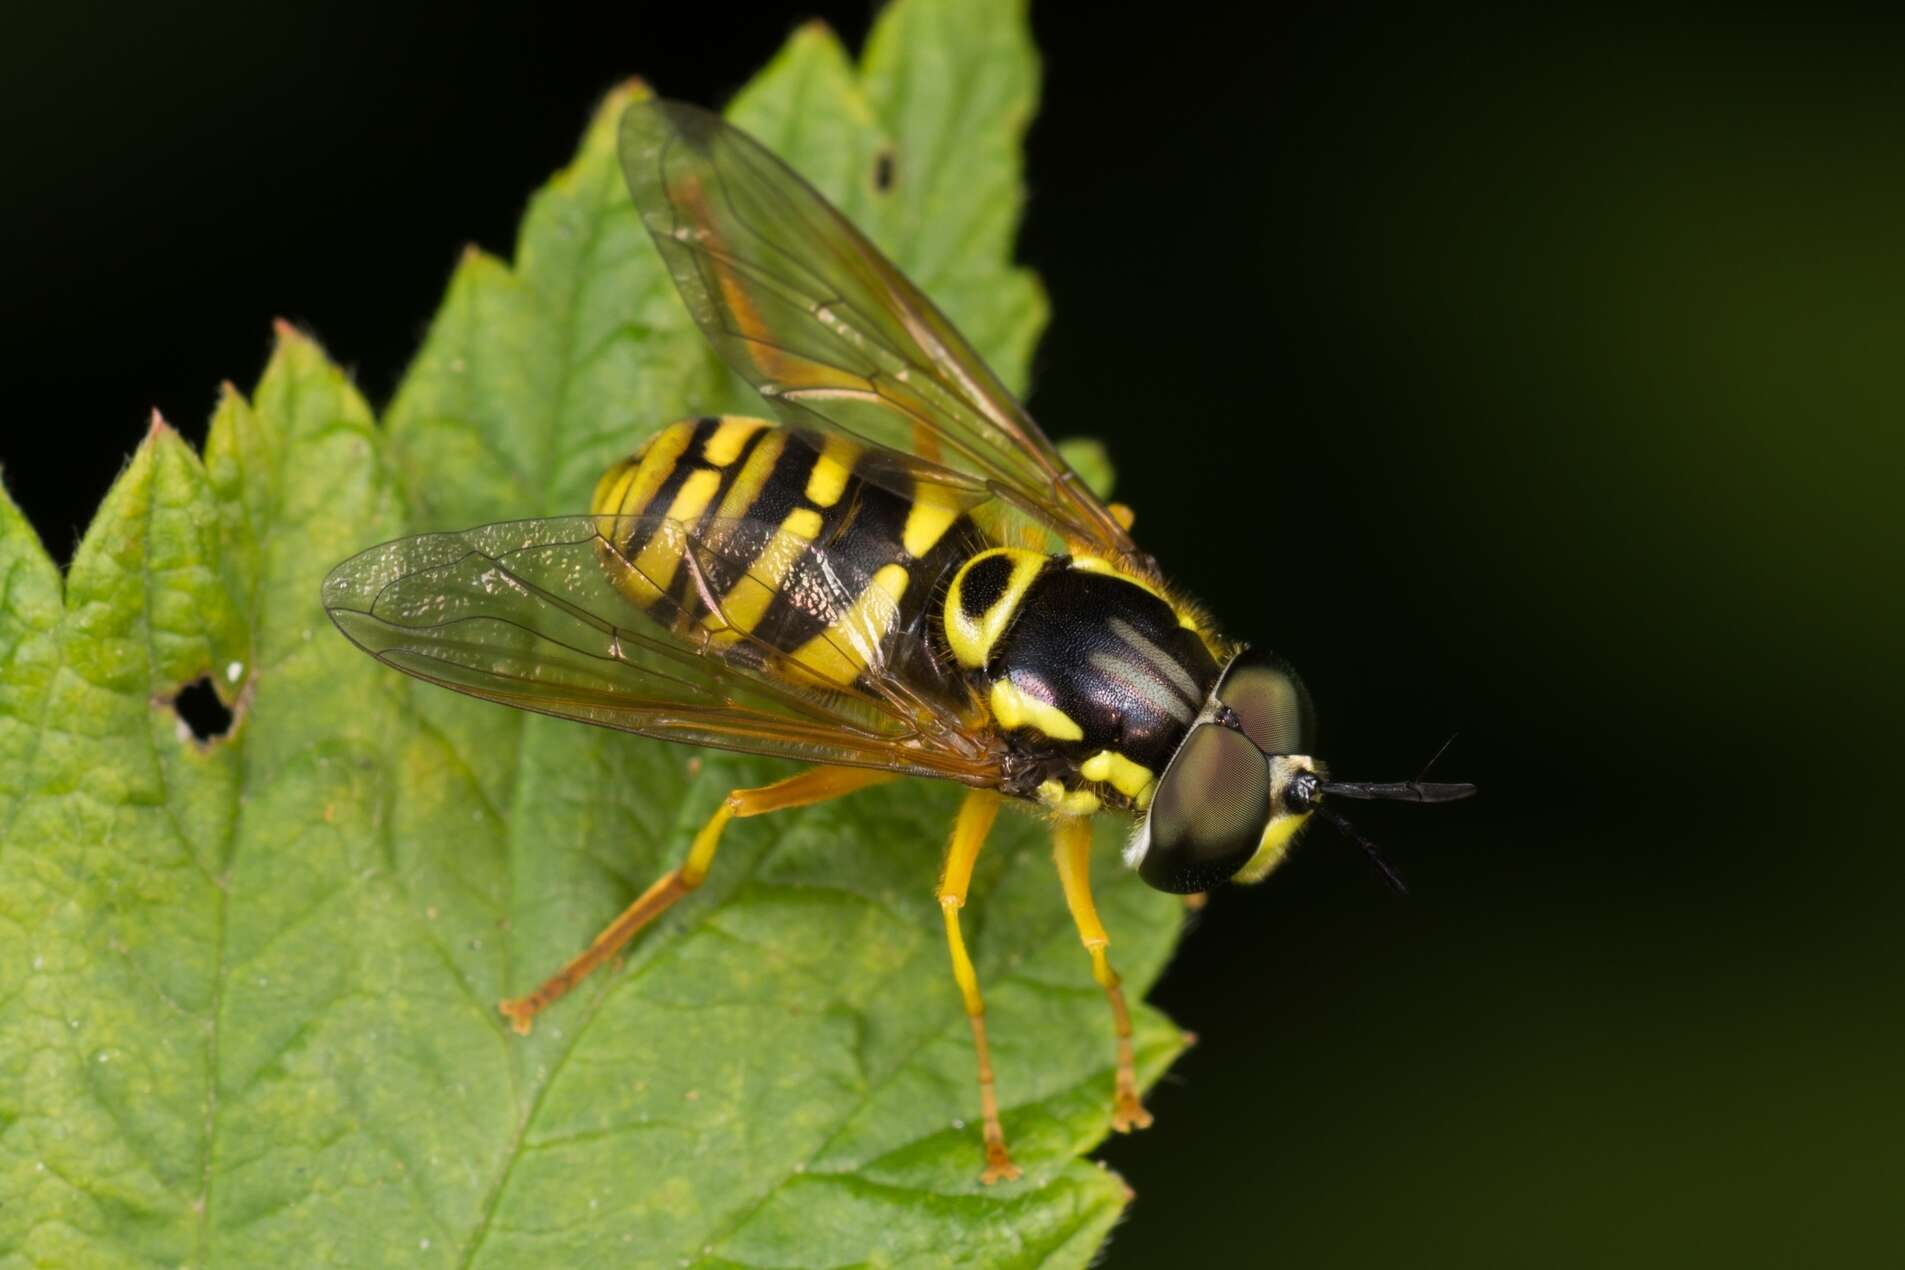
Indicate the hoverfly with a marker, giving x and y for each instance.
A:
(899, 576)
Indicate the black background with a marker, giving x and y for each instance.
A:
(1536, 379)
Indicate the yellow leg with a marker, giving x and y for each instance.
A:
(1071, 847)
(969, 834)
(816, 785)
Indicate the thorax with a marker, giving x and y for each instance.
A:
(1093, 675)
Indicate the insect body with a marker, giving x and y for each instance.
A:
(1087, 677)
(899, 576)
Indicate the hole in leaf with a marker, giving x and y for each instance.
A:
(199, 708)
(883, 170)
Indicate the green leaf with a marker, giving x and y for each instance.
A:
(248, 987)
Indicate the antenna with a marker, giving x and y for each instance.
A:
(1400, 791)
(1369, 848)
(1437, 756)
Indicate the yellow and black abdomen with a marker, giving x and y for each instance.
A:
(829, 572)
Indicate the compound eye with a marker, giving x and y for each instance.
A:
(1270, 703)
(1209, 812)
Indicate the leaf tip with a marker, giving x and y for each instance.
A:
(816, 35)
(608, 115)
(634, 88)
(286, 333)
(156, 427)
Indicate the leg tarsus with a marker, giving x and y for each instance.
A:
(1127, 1109)
(652, 903)
(814, 785)
(1072, 851)
(999, 1166)
(1127, 1113)
(976, 814)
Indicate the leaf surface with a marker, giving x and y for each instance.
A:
(247, 988)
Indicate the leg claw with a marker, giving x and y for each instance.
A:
(999, 1166)
(1127, 1113)
(520, 1013)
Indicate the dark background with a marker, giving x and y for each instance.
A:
(1539, 379)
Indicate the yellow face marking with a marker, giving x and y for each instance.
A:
(656, 562)
(1272, 847)
(972, 636)
(838, 654)
(1114, 769)
(828, 481)
(1074, 802)
(932, 514)
(1014, 709)
(725, 445)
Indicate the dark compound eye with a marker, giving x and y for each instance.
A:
(1209, 812)
(1270, 703)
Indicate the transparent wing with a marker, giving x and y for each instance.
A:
(537, 614)
(797, 301)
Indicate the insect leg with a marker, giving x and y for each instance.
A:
(816, 785)
(1071, 847)
(976, 814)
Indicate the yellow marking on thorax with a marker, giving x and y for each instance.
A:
(1014, 709)
(837, 655)
(1134, 780)
(828, 481)
(933, 511)
(1095, 564)
(972, 637)
(729, 437)
(1071, 802)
